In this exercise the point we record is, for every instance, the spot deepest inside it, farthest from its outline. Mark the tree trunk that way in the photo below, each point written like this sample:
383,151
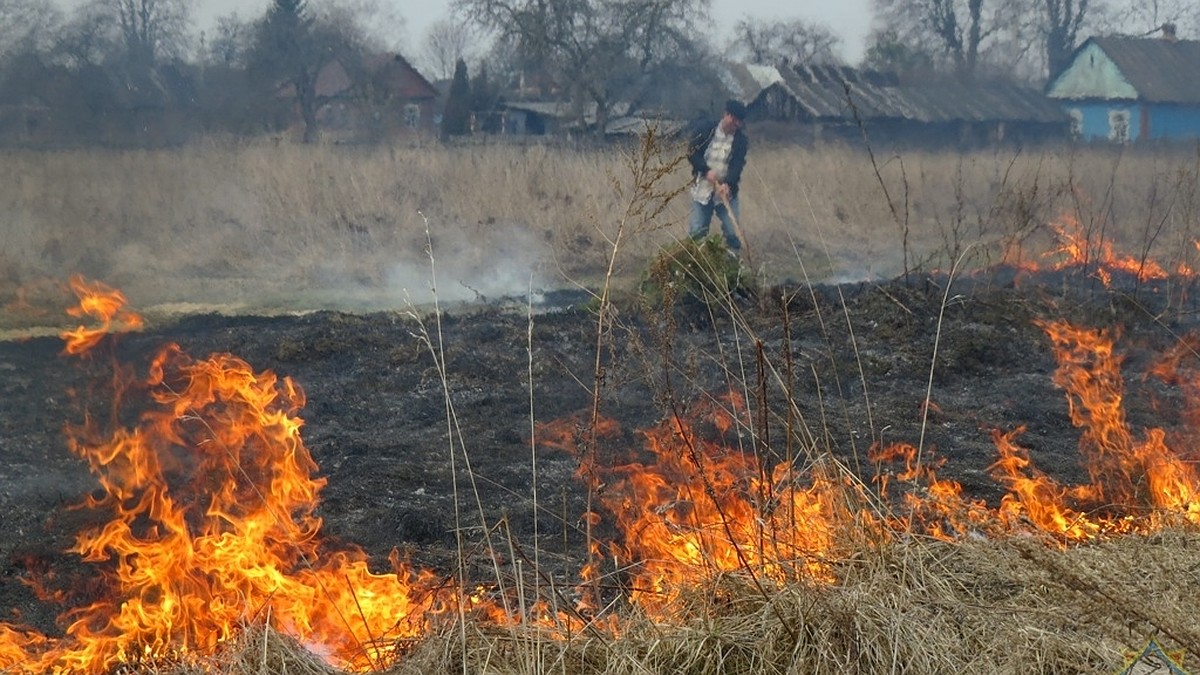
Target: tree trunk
308,110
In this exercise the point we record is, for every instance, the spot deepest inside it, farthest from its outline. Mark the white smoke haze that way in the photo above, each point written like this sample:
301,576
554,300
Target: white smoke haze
505,262
234,267
472,264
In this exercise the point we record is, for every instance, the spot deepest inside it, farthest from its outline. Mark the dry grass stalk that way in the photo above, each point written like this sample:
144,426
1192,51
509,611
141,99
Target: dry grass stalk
911,607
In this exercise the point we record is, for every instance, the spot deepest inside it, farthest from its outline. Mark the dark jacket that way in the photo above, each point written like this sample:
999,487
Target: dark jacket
698,145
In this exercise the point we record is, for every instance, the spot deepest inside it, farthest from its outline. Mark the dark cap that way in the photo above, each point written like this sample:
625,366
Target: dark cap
736,108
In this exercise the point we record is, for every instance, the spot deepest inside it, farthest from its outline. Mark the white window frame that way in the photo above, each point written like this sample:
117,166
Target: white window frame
1118,126
1076,122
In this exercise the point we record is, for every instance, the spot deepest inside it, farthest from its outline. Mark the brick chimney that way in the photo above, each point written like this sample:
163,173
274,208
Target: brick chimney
1168,32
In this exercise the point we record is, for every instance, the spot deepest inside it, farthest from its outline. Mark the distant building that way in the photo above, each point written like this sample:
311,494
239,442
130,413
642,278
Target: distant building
383,95
1125,89
812,102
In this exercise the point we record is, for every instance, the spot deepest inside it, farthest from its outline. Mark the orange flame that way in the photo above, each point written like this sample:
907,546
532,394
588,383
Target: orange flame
211,501
1135,485
701,509
933,506
102,303
1077,247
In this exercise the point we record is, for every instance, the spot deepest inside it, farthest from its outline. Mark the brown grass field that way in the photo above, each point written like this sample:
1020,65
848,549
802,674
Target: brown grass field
257,226
265,228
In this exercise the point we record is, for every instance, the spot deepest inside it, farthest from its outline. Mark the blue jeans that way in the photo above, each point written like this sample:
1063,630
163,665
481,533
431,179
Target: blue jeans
702,215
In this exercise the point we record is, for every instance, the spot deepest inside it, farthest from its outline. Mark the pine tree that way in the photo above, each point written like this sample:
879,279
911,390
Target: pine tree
483,101
457,116
286,51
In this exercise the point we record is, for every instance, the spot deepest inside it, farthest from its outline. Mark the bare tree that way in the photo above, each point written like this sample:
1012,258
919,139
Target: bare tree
593,48
958,28
1064,18
152,30
1145,17
27,26
372,25
1007,37
89,37
888,52
446,42
774,42
231,41
291,46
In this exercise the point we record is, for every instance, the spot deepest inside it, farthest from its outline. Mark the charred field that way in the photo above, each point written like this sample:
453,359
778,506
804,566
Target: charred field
463,442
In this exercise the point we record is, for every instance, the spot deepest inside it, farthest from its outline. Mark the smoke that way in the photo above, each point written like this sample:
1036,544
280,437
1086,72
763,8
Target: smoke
243,267
502,263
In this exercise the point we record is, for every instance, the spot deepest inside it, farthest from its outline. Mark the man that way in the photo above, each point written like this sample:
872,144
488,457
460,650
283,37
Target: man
718,155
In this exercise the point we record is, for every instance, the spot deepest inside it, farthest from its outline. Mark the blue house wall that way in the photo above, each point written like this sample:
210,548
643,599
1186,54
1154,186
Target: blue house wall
1161,121
1174,121
1093,119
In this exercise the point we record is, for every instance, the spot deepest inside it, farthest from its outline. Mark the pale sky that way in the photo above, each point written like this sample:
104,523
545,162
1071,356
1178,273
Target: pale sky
848,19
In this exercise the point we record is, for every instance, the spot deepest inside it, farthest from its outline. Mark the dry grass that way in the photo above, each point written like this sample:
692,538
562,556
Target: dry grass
286,226
915,607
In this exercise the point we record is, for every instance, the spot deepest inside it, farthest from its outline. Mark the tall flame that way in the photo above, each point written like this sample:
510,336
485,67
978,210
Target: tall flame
1135,484
210,499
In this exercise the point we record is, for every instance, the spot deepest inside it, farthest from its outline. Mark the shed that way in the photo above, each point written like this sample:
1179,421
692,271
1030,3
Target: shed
1132,88
829,101
536,118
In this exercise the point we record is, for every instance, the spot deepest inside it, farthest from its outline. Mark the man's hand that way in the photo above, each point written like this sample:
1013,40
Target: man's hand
723,192
712,178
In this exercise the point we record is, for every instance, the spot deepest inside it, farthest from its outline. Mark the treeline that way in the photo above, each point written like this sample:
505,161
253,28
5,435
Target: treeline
135,72
128,72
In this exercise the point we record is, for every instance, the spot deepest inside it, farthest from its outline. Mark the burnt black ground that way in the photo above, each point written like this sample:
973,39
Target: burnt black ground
376,420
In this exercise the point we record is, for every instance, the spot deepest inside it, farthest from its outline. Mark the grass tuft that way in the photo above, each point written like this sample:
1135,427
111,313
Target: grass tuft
701,270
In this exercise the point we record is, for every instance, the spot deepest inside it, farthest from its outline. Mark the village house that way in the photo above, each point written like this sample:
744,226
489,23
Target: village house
1126,89
384,95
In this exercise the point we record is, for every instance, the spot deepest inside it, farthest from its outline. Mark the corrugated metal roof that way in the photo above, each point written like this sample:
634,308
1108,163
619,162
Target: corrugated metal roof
639,124
1162,71
565,110
841,93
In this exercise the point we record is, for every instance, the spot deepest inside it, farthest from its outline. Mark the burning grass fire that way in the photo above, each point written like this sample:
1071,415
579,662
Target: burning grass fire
209,498
1077,247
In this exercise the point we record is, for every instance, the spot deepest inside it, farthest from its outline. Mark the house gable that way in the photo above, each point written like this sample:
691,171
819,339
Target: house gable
1151,70
1125,89
1091,74
394,73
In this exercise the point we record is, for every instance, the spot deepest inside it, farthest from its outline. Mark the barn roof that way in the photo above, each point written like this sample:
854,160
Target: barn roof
843,93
